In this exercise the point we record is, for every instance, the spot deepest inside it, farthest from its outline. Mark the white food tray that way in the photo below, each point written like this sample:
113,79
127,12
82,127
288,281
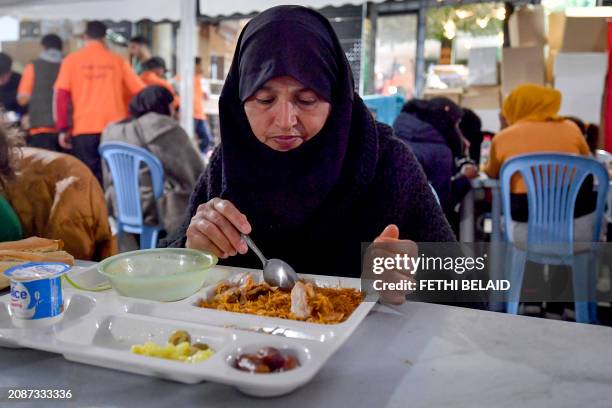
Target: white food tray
99,328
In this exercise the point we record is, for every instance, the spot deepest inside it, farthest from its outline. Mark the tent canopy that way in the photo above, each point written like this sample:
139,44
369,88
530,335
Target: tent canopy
134,10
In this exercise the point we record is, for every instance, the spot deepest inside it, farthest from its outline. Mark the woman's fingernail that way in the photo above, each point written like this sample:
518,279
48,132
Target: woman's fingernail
243,248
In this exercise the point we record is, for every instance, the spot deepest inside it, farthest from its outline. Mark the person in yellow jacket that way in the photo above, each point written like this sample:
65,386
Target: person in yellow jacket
56,196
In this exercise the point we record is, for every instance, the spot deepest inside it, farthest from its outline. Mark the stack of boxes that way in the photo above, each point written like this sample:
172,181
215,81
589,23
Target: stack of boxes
569,53
578,60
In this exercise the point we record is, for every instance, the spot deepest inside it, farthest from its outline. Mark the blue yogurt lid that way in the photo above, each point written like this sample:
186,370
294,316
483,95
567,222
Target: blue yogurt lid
32,271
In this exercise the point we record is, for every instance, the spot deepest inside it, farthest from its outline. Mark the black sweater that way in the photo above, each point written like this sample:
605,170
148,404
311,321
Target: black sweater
330,242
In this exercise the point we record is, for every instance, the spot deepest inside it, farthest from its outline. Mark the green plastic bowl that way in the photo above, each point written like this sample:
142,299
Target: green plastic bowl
164,274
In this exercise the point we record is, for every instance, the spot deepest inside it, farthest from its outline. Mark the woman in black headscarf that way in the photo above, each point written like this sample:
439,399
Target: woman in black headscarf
302,166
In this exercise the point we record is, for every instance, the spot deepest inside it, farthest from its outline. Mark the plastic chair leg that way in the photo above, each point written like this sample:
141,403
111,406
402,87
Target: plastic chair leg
580,279
516,269
148,237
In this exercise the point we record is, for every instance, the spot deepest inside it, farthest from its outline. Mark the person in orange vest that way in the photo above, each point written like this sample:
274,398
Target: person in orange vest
201,126
95,80
155,74
36,92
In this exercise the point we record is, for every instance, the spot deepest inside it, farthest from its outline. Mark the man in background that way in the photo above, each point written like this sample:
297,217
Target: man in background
36,92
96,82
202,129
9,82
155,74
139,50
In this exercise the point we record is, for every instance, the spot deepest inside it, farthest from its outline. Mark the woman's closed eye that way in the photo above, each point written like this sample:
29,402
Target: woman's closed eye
264,101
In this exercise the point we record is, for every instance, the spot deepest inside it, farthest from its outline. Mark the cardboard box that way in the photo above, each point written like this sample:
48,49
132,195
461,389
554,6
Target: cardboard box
583,105
482,97
482,65
522,65
526,27
489,118
556,28
550,65
585,34
584,72
454,94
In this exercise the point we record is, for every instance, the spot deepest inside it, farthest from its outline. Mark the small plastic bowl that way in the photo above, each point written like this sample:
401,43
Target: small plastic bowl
165,274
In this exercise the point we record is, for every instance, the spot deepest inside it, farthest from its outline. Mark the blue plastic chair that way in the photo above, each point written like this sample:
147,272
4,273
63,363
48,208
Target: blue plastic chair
387,108
553,181
124,162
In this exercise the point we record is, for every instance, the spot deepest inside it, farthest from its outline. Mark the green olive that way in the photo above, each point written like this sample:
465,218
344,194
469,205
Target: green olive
201,346
179,336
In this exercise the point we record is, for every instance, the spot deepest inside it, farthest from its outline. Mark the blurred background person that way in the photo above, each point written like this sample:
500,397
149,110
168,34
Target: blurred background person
431,128
200,120
55,196
11,225
152,127
202,127
36,93
155,74
9,82
533,126
471,128
96,81
139,51
590,132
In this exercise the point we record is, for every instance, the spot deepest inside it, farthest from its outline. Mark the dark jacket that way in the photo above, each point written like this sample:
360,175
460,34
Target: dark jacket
329,243
435,157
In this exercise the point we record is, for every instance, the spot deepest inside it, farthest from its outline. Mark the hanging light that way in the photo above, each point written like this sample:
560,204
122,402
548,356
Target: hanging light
463,14
500,13
450,29
483,22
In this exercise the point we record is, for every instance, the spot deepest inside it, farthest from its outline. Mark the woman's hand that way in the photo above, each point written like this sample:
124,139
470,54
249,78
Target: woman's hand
216,227
394,245
470,171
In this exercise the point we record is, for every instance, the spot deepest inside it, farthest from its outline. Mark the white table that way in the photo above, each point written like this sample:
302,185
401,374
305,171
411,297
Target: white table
429,356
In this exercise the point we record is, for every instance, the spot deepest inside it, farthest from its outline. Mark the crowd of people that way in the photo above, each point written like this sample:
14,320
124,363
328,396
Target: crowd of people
302,165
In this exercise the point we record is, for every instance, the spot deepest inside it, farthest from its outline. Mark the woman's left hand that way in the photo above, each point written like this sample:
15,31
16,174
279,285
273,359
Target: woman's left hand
390,235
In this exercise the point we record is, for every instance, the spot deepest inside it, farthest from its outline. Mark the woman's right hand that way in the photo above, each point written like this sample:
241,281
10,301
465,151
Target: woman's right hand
216,227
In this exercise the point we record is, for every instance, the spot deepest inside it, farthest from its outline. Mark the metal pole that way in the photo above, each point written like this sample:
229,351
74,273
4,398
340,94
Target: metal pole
420,49
186,63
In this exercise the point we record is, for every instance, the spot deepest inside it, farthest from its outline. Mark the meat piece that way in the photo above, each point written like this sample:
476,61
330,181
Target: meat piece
299,301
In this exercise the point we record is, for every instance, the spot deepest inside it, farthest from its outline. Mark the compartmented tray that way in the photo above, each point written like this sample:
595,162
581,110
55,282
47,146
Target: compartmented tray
99,328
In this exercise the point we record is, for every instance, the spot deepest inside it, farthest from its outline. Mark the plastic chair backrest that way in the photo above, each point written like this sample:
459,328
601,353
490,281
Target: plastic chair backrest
553,181
387,108
124,161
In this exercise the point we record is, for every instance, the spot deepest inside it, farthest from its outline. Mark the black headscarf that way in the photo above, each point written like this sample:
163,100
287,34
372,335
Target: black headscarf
285,188
443,114
153,98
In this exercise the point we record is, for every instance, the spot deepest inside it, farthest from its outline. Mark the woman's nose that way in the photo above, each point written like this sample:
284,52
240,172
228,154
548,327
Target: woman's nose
286,116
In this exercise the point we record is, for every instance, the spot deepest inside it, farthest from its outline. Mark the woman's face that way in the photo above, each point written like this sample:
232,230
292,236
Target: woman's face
283,113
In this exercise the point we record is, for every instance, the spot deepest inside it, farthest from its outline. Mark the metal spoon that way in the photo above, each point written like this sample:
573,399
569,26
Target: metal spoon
275,271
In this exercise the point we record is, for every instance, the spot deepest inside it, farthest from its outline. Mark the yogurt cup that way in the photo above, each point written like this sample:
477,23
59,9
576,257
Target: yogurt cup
36,293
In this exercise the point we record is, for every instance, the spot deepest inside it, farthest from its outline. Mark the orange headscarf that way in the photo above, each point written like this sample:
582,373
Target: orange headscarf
531,102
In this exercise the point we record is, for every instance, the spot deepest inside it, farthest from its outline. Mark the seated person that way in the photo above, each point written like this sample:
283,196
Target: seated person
431,129
303,167
530,112
152,127
55,196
